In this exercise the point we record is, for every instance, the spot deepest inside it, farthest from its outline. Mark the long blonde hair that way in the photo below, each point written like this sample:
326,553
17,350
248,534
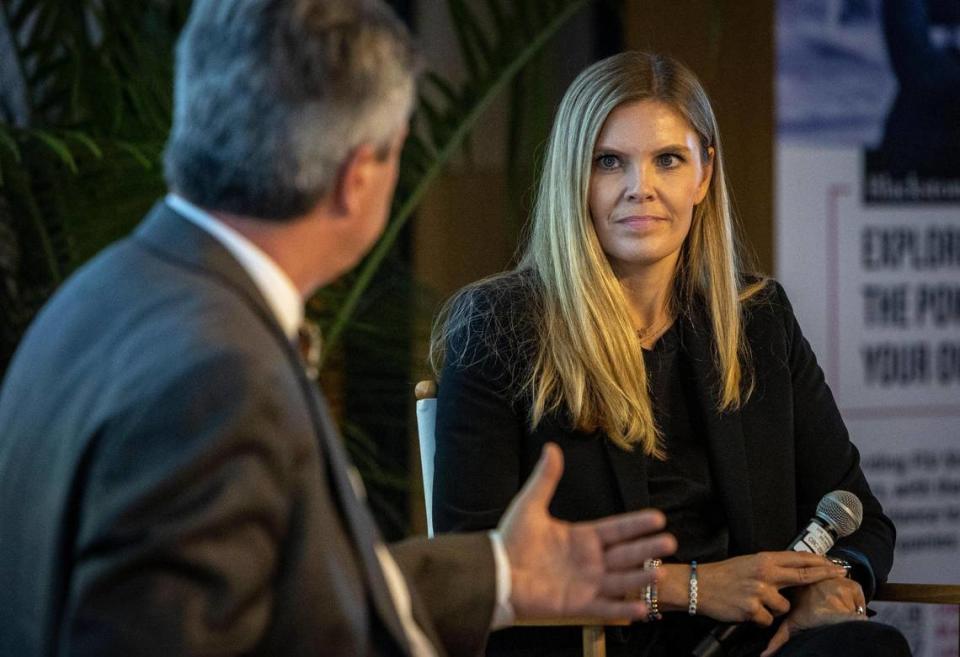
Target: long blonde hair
588,359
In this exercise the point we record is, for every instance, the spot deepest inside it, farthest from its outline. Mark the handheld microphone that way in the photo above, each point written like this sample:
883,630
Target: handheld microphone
839,514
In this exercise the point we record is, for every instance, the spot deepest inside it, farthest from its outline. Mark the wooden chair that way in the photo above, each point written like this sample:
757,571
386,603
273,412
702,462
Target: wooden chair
594,639
930,594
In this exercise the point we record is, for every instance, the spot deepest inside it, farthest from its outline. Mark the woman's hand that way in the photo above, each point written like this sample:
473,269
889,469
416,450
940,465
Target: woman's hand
747,588
827,601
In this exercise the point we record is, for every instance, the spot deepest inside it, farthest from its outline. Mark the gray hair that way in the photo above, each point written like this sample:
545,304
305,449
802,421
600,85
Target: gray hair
271,97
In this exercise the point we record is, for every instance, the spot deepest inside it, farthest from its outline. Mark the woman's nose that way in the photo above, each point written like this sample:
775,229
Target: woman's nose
638,185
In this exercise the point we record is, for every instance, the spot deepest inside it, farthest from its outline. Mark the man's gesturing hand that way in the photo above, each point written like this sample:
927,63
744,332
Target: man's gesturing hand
576,569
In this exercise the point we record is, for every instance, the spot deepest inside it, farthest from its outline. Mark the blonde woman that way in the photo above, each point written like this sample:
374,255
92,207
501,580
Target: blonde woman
630,335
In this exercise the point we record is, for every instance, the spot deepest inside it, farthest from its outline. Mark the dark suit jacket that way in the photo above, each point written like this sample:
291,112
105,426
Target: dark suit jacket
771,461
172,484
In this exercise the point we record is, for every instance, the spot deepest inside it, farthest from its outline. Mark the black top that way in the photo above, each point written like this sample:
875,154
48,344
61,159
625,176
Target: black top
682,485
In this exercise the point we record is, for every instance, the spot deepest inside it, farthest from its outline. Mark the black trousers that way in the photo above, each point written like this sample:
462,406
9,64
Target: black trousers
850,639
678,634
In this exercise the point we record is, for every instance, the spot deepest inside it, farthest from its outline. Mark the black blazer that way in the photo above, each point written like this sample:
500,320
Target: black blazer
171,483
771,461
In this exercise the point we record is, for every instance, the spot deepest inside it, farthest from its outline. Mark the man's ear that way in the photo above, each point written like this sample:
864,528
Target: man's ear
353,180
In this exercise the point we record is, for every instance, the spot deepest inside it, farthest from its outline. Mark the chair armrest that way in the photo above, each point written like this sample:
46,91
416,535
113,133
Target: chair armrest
577,620
935,594
594,638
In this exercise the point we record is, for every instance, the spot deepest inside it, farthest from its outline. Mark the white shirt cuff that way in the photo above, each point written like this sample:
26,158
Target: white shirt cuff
503,614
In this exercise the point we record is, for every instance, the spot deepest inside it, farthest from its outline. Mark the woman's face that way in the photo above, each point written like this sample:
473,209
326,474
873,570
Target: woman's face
647,176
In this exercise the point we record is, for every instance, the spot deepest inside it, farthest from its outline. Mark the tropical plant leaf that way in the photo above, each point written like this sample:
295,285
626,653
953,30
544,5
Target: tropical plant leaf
446,90
83,57
497,15
10,144
474,45
96,101
136,153
91,145
58,147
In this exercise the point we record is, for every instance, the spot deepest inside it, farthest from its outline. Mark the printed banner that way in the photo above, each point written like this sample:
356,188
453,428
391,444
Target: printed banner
868,248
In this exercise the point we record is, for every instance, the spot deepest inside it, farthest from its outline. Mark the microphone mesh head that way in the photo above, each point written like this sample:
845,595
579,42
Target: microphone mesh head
843,510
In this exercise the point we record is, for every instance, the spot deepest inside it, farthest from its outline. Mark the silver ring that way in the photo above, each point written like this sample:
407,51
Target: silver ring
860,610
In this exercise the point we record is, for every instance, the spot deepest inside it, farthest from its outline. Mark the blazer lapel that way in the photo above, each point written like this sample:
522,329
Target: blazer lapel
630,472
725,441
182,241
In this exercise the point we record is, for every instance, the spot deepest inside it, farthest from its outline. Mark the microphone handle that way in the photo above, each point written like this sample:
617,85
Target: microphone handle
712,644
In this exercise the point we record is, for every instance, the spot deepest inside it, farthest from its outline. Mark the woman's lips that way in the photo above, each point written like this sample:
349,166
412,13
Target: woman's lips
640,220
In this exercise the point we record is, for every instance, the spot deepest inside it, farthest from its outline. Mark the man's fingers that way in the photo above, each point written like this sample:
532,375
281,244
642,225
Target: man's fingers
625,526
780,637
543,481
627,556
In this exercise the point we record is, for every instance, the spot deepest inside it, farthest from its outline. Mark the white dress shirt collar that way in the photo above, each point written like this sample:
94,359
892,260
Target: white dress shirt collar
281,294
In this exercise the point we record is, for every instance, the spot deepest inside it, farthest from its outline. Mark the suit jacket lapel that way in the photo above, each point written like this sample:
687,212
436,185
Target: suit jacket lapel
180,240
725,441
363,529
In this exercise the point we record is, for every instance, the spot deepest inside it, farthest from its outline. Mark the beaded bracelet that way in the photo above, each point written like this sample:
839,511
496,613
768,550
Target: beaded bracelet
650,592
692,606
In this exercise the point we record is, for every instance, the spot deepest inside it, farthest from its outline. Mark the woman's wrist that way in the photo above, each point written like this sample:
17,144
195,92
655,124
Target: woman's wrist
674,587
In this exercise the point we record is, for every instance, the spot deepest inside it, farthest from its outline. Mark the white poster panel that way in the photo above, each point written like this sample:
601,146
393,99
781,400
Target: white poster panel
868,249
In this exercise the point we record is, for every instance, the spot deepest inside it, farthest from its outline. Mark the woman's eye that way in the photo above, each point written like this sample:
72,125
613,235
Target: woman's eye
668,160
607,161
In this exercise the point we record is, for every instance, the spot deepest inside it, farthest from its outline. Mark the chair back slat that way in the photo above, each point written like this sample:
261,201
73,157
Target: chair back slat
426,392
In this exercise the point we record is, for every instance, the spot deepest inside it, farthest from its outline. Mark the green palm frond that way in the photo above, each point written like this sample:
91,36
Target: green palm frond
79,155
101,65
76,190
496,44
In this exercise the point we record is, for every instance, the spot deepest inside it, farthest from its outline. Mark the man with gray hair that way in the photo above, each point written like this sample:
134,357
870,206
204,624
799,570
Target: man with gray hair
170,480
